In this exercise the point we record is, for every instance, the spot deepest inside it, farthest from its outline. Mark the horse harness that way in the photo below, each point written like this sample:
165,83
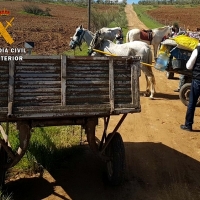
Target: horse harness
94,43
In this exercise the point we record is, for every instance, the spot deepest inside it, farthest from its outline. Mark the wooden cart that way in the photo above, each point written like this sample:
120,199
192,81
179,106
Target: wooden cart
59,90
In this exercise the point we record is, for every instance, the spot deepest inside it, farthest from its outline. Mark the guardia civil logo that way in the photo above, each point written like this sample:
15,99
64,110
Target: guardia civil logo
8,53
3,28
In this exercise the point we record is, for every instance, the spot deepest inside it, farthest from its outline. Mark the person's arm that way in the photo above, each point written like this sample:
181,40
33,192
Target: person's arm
192,60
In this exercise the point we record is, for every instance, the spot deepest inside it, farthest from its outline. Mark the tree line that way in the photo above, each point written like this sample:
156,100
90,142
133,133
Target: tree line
169,2
82,2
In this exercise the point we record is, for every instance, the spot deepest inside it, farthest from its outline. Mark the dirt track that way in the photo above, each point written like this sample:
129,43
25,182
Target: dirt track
163,162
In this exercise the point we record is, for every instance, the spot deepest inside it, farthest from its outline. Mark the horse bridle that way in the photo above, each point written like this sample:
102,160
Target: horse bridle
79,38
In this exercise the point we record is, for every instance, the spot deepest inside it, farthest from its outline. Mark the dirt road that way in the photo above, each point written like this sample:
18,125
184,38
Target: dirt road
133,21
162,161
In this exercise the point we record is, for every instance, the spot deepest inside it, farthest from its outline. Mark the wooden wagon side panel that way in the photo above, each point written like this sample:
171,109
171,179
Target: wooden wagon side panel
111,83
37,82
41,87
4,82
126,84
87,82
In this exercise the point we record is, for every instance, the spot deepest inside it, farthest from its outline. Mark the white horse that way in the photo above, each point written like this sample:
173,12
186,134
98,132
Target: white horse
79,37
109,33
152,37
136,48
106,33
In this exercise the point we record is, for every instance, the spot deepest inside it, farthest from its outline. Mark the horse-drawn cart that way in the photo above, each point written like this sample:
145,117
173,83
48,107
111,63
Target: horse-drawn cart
59,90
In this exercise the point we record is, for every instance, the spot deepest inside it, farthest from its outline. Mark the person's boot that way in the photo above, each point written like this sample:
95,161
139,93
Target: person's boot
186,128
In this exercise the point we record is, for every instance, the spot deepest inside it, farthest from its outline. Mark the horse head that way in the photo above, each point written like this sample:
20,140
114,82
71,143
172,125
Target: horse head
170,30
95,43
77,38
163,31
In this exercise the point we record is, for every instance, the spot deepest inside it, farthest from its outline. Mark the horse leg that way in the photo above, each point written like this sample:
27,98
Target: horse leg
148,73
155,49
152,83
147,92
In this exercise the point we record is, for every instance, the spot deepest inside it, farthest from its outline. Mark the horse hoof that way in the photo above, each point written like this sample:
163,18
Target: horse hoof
145,95
151,98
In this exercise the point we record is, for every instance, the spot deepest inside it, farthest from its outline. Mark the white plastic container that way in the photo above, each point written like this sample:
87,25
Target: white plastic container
162,62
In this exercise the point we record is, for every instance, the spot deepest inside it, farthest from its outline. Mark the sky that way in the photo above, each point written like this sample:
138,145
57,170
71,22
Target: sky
132,1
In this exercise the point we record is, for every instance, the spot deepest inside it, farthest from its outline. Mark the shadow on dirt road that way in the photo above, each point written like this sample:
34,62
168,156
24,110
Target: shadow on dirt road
157,172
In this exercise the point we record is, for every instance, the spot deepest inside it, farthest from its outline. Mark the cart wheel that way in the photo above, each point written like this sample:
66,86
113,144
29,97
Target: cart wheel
170,75
116,163
185,93
3,161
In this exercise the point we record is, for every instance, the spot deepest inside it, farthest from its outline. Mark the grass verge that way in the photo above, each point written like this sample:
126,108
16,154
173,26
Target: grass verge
48,146
141,11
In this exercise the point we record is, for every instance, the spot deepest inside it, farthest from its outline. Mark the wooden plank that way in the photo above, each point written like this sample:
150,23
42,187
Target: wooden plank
11,87
63,79
42,83
37,67
135,84
42,57
94,90
37,86
78,75
111,85
30,90
91,71
69,111
4,84
39,97
30,76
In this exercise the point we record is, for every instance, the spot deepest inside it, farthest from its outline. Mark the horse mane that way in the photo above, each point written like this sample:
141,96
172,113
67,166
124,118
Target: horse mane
161,28
88,31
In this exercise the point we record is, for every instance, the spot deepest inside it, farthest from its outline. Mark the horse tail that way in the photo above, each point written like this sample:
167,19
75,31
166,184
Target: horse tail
127,37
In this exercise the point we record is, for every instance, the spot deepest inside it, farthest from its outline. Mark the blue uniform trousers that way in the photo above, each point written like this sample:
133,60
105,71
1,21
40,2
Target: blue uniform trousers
194,95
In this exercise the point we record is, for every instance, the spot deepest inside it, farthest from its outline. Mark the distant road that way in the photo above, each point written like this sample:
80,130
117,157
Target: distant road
133,20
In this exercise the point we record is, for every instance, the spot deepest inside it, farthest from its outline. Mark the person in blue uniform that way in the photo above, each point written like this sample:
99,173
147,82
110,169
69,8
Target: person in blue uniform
193,64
